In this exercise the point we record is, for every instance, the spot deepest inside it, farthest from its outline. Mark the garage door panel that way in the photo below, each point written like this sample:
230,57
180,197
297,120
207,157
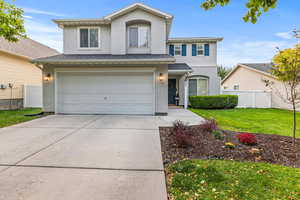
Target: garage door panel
105,93
96,99
107,109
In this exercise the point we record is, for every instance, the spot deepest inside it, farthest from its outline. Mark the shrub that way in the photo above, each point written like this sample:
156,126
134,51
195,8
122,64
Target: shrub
247,138
183,140
214,102
218,134
182,134
209,125
179,126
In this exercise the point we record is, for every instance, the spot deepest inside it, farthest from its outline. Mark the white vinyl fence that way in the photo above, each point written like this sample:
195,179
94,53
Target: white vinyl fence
32,96
252,99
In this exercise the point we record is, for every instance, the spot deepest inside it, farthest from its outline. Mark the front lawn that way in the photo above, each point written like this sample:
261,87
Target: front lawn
255,120
11,117
231,180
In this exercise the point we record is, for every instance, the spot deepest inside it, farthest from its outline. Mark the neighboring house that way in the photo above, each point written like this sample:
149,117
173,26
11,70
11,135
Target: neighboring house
256,77
17,71
125,63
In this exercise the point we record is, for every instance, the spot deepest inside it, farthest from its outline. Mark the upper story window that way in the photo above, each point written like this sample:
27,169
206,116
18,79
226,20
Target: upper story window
177,50
138,36
89,37
200,49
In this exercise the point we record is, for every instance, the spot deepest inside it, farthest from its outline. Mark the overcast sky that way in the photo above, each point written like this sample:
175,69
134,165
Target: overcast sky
243,42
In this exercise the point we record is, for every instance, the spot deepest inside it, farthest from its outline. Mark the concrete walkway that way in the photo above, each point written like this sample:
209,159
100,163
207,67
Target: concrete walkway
85,157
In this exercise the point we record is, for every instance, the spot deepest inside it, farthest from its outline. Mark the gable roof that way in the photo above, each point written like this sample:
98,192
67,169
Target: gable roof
264,68
135,6
108,18
26,48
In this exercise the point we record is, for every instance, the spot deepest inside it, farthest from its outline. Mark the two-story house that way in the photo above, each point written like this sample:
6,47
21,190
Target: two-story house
125,63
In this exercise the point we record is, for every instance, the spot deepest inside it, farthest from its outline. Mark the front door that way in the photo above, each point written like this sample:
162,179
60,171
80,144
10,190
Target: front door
171,91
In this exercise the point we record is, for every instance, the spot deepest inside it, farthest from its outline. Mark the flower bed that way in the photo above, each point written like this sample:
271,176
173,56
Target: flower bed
269,148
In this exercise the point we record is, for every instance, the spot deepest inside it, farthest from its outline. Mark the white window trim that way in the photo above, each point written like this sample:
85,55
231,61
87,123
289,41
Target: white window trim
89,48
203,45
149,36
180,47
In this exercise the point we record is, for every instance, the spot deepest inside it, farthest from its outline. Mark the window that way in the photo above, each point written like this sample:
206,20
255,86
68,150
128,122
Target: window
89,37
177,50
200,49
138,36
198,86
236,87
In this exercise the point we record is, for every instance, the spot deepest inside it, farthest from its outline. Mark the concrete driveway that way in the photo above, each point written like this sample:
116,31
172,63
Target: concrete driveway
85,158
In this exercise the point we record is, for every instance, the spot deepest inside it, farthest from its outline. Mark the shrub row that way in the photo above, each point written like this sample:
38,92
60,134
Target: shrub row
214,102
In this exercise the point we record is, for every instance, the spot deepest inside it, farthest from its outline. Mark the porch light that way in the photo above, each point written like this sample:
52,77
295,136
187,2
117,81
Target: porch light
161,77
48,77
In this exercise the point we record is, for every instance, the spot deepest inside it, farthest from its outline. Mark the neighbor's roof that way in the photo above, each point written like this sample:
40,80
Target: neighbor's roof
27,48
264,68
179,67
106,59
194,39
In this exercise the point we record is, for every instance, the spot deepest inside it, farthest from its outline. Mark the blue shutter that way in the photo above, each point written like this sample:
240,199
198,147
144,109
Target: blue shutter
171,50
183,50
206,49
194,50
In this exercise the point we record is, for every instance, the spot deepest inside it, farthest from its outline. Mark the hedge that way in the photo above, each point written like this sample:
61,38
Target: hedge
214,102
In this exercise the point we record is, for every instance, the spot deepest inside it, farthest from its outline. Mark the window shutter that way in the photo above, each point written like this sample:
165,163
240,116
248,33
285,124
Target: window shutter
206,49
183,50
194,50
171,50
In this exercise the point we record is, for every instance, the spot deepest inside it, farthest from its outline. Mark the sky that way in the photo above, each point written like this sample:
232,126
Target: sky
243,42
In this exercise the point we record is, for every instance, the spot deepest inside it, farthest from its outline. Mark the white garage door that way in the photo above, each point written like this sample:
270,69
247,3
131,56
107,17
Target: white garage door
105,93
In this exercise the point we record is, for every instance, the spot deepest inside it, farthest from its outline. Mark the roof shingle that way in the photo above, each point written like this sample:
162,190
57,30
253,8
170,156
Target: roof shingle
264,67
27,48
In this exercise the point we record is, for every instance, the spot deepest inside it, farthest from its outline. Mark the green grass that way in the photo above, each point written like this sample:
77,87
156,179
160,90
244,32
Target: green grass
11,117
255,120
230,180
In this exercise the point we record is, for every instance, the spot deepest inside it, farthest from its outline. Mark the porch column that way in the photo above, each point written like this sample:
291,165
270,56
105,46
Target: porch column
186,91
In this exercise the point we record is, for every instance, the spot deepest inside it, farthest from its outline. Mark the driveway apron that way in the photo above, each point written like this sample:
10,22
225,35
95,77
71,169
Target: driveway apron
82,157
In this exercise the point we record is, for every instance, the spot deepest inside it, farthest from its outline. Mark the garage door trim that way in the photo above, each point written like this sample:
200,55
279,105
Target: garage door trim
70,70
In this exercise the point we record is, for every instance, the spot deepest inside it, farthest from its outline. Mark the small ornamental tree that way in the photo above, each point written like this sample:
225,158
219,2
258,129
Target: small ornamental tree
255,7
287,70
11,22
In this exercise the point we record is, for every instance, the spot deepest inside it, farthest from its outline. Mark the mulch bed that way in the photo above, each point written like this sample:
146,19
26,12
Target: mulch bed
272,148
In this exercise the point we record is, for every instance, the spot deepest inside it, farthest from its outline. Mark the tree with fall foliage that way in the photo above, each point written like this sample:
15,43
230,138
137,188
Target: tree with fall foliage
11,22
255,7
287,70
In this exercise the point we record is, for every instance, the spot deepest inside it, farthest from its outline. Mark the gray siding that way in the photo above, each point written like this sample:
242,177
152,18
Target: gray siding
161,88
71,43
210,60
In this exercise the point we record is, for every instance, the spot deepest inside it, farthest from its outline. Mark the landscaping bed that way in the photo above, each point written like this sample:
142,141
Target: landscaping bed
273,149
